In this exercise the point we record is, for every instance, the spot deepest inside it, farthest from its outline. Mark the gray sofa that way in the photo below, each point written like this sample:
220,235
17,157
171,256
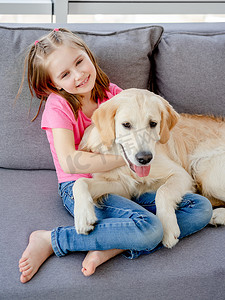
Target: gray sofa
185,63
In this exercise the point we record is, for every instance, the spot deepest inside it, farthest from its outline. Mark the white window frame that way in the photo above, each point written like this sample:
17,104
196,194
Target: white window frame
64,7
61,8
24,7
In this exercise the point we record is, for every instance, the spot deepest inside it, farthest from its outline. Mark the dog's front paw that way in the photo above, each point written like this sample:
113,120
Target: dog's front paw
85,218
170,237
218,217
171,230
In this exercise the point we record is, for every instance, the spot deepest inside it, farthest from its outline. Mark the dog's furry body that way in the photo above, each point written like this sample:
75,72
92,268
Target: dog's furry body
141,126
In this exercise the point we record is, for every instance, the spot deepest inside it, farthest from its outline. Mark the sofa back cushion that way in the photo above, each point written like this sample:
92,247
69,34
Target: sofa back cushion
190,68
122,54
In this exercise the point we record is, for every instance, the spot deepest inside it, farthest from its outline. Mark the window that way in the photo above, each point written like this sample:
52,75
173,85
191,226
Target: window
105,11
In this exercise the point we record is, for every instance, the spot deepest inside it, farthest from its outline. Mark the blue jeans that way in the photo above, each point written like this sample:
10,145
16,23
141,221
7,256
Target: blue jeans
126,224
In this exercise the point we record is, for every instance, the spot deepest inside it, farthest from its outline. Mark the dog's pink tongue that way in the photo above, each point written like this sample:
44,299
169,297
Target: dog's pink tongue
142,171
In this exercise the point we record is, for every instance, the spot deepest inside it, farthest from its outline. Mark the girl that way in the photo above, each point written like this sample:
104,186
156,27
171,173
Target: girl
63,71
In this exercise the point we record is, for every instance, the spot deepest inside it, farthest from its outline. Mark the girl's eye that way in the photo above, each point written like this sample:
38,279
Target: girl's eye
65,74
79,61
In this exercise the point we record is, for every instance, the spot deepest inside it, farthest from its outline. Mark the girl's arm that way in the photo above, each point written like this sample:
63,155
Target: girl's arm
73,161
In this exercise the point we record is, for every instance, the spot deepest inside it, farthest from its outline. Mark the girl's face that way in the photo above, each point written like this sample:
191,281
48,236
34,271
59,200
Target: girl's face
71,69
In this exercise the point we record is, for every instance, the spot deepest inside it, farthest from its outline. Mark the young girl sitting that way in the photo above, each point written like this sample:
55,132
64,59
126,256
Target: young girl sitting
63,72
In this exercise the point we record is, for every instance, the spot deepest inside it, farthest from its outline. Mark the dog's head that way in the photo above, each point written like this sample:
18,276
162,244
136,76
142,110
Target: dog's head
136,120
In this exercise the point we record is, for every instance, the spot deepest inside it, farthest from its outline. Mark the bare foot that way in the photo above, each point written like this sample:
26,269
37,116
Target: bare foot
37,251
95,258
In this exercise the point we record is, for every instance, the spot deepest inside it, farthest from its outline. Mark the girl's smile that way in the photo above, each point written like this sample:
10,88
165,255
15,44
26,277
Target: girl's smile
84,82
71,69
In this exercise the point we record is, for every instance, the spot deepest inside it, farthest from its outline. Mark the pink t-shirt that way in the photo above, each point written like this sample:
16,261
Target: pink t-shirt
58,114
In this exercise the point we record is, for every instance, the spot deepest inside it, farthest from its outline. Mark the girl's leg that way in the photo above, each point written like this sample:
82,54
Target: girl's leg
93,258
121,224
40,248
114,207
193,213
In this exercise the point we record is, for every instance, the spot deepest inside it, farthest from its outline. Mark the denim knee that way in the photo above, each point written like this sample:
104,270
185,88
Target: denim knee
193,214
202,207
151,234
206,211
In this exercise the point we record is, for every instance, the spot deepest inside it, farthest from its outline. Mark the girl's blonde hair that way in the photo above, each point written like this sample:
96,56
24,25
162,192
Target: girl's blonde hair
39,81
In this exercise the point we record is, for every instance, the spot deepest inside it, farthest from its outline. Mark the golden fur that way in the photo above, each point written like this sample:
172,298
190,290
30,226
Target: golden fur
184,152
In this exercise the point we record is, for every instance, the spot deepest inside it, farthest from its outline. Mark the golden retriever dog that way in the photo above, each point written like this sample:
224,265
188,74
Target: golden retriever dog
165,152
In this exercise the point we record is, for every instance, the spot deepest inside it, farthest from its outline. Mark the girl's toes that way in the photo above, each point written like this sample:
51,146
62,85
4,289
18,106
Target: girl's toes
24,279
23,260
27,272
24,268
23,263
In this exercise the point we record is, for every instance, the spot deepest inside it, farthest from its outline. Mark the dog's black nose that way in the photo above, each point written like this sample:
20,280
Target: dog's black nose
143,157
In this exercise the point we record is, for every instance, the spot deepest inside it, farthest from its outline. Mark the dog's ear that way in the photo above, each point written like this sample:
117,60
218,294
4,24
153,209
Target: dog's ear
169,118
103,118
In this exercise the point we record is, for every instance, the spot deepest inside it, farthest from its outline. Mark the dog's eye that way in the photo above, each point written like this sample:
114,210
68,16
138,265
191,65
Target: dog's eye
126,125
152,124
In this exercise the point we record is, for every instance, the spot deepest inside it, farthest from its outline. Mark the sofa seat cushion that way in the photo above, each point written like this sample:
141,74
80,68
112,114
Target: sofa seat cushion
29,201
